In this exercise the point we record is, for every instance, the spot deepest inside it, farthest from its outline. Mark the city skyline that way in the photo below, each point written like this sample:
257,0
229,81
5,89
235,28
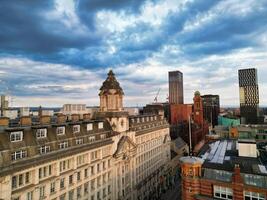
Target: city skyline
58,53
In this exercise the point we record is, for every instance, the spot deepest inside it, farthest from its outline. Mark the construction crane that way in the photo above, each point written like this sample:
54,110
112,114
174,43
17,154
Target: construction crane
156,97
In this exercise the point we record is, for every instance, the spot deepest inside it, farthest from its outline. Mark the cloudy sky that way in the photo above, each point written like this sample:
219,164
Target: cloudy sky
56,52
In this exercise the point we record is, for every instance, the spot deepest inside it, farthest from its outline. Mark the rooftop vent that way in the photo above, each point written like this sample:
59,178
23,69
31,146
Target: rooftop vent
247,148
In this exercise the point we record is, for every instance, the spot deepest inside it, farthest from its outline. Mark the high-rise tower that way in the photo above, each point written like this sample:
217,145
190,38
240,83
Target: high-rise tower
249,95
176,93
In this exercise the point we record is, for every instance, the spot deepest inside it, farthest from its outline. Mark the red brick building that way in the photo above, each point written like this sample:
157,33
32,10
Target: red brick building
223,172
180,113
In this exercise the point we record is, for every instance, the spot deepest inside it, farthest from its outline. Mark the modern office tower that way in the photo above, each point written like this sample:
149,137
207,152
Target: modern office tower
176,93
211,108
108,156
249,96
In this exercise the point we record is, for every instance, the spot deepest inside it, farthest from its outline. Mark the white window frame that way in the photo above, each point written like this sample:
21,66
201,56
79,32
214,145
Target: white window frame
222,191
91,138
61,130
89,127
254,195
100,125
79,141
63,145
16,136
76,127
41,133
44,149
19,155
103,136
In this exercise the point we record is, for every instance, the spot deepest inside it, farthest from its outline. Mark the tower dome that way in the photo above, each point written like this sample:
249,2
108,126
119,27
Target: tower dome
111,94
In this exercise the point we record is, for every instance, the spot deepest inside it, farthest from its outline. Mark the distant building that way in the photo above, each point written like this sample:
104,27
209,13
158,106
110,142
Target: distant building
176,93
211,108
228,121
249,95
180,113
132,110
24,111
225,169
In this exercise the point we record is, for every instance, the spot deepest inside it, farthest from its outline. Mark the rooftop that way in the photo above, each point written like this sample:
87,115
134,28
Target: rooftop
223,155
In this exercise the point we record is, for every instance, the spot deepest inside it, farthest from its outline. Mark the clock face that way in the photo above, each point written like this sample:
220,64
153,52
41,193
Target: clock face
197,113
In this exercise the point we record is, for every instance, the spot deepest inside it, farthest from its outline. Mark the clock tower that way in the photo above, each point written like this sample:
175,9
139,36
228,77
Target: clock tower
198,109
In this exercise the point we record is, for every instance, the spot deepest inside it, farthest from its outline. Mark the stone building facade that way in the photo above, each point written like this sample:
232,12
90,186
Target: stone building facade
110,156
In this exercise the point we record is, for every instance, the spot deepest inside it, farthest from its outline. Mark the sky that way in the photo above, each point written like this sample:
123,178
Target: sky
54,52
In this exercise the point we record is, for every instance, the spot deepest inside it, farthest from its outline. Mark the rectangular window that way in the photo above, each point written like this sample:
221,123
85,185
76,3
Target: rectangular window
64,165
44,149
63,145
76,129
62,183
71,195
254,196
91,138
14,182
85,188
85,173
102,136
61,130
78,176
42,192
52,187
79,141
41,133
79,192
223,192
100,125
30,195
94,155
70,179
18,155
16,136
89,127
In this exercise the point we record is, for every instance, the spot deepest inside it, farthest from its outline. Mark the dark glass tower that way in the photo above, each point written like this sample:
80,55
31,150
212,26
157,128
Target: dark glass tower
249,96
176,93
211,108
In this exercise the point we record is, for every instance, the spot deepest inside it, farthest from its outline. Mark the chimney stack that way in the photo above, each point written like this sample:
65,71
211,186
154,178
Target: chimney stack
75,117
4,121
61,118
45,119
25,121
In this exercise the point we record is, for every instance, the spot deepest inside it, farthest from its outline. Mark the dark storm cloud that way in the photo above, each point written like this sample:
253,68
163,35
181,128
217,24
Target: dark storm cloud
26,30
87,9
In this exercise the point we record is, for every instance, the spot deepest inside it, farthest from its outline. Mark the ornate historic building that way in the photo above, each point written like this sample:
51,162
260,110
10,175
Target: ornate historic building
110,155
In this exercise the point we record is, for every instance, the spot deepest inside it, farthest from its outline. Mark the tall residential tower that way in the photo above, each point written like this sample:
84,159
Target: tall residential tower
249,95
176,93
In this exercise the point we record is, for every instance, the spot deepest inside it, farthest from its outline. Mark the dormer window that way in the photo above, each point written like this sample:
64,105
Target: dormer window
103,136
41,133
89,127
76,129
18,155
100,125
92,139
61,130
16,136
63,145
44,149
79,141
